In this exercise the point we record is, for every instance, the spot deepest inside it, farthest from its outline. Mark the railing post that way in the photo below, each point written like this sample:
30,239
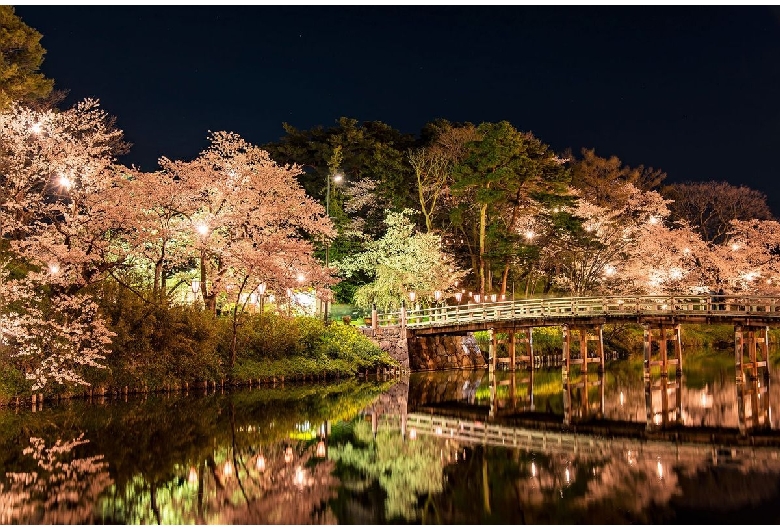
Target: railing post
374,317
403,313
648,345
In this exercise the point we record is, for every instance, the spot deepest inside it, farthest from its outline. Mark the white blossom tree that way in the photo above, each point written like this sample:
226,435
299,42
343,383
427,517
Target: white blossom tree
403,260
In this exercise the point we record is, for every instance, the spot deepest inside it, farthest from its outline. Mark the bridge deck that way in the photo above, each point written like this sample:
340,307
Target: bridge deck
740,310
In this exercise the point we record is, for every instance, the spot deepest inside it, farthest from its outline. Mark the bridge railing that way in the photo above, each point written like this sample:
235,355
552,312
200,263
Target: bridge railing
443,315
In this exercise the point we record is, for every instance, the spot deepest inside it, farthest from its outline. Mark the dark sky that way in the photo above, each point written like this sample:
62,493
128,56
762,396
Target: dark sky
694,91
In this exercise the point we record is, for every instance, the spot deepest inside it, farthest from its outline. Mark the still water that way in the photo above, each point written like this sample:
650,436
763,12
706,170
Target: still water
438,448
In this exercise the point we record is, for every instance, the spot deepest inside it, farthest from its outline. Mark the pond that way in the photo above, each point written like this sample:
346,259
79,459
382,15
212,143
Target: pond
440,448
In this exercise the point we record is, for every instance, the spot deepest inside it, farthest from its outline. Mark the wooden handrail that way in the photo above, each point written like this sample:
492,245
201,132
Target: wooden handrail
584,306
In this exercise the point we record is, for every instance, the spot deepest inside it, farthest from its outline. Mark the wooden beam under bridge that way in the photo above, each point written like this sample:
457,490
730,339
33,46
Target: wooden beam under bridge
586,334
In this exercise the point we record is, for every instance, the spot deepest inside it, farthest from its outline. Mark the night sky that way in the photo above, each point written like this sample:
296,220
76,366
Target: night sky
694,91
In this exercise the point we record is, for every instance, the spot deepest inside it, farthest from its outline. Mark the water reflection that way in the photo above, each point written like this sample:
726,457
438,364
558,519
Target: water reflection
447,448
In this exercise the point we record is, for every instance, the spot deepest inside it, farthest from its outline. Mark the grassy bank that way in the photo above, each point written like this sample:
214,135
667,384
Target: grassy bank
158,347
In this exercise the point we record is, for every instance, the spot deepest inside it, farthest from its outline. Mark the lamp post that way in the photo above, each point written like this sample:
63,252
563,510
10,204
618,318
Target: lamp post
337,177
195,288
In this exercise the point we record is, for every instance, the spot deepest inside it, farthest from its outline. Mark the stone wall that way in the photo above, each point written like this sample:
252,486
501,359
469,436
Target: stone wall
394,401
439,352
391,339
442,352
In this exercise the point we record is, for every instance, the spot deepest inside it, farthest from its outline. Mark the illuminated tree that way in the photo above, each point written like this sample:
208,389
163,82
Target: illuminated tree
601,181
59,211
433,167
248,217
21,55
603,238
160,233
503,170
402,260
749,260
709,207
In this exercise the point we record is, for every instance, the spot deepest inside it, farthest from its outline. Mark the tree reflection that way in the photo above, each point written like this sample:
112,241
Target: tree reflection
405,469
60,489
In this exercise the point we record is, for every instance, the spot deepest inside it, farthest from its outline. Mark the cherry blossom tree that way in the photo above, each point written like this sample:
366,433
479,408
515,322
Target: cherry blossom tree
749,260
59,212
248,217
158,235
248,223
663,260
604,238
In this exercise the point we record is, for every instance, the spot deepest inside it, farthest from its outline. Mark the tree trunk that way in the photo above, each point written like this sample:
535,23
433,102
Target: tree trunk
504,277
158,288
482,227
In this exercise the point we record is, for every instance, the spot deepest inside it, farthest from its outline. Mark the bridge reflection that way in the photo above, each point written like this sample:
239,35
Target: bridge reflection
536,409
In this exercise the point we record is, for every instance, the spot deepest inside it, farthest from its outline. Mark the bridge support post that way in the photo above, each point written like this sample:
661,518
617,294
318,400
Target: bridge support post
738,353
601,351
662,351
492,349
584,350
529,348
648,348
566,347
757,340
512,352
678,349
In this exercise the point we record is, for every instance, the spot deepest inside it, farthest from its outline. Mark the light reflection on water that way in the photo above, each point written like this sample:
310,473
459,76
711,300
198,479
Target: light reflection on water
447,447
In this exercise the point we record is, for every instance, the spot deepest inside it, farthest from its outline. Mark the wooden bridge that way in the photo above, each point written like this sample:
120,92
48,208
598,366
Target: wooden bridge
510,324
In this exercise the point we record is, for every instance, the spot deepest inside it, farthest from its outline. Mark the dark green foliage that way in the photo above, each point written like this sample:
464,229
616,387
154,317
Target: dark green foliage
304,347
157,343
21,55
12,380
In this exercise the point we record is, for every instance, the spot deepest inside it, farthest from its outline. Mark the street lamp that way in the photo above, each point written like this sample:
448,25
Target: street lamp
195,288
65,182
337,177
437,297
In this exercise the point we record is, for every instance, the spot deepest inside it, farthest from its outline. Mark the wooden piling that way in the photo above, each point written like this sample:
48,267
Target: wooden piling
566,351
738,353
